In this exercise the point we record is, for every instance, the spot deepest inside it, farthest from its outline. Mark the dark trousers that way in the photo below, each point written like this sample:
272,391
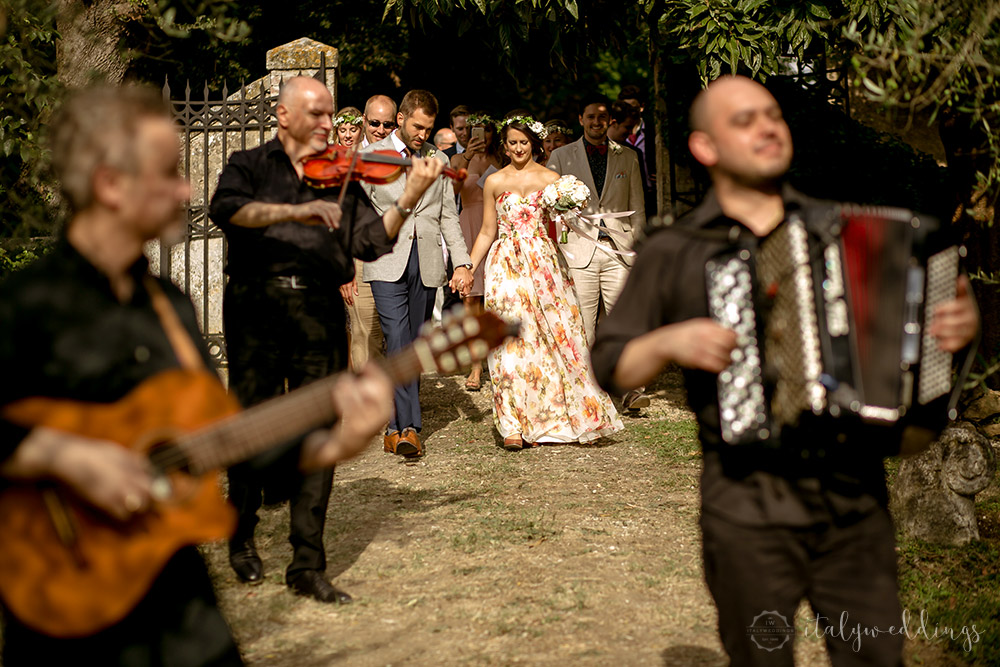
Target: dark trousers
848,574
403,306
276,335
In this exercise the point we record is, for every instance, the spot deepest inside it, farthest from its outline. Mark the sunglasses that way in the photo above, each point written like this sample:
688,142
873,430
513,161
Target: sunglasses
389,125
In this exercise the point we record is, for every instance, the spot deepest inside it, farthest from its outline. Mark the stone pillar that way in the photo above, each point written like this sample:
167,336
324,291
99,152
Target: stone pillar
933,496
303,57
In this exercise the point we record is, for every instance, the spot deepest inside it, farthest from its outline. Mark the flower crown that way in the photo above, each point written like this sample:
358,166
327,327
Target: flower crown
347,118
532,124
558,128
481,120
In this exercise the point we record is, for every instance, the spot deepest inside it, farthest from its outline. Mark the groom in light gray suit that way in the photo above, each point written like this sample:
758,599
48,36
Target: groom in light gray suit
612,173
403,282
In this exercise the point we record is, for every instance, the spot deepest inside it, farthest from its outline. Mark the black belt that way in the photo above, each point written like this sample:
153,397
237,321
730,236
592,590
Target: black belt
291,282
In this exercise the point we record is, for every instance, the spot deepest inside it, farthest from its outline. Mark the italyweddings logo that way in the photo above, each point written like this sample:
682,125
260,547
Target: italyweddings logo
913,627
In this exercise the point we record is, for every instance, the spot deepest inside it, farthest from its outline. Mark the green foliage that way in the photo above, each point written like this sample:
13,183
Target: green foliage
29,90
572,31
939,56
748,36
16,255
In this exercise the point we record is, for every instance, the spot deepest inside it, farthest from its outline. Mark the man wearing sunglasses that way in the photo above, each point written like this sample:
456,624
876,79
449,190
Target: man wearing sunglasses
380,119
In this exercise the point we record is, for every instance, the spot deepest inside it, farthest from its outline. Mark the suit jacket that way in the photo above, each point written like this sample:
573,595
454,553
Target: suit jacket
434,217
622,192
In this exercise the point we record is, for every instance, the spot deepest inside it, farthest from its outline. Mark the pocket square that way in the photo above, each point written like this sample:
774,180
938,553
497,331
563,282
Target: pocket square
620,174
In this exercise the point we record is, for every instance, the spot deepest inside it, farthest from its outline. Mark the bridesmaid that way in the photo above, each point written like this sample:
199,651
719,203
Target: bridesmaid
557,134
482,154
347,127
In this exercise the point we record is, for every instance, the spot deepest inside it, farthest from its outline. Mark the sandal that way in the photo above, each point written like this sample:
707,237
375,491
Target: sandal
473,385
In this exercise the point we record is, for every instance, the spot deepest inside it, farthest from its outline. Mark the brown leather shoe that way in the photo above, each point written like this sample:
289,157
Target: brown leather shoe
409,443
389,442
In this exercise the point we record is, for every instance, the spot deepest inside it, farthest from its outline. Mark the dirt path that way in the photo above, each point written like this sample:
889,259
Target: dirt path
583,555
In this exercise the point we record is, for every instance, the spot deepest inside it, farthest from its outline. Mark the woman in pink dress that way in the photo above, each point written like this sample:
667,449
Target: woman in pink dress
480,156
543,390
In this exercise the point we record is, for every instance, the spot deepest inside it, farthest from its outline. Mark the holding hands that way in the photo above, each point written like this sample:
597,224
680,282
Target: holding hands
461,281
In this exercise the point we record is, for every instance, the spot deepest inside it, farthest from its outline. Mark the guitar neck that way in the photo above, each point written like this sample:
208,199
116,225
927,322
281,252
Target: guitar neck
284,418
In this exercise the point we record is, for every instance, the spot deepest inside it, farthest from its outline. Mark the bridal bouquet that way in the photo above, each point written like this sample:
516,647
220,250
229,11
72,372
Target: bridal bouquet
563,197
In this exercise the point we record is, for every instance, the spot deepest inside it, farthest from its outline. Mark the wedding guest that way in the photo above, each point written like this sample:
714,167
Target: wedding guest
459,125
348,127
445,138
557,133
482,156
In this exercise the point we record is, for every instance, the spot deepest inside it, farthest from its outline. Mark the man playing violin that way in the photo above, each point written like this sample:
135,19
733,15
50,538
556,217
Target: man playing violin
290,249
88,324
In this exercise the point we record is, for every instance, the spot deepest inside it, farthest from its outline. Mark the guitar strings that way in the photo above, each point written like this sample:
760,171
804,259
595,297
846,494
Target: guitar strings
242,433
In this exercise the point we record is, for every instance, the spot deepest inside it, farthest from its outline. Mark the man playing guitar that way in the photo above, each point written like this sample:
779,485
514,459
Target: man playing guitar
88,323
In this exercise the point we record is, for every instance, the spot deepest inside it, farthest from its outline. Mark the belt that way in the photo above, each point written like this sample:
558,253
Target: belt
290,282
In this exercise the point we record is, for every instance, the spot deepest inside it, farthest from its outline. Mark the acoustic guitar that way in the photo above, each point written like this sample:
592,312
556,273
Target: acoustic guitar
69,570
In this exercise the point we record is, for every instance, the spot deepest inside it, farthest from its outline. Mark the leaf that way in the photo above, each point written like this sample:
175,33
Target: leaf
819,10
573,9
734,56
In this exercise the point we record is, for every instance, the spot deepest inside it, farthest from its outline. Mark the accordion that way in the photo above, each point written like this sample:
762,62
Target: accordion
830,315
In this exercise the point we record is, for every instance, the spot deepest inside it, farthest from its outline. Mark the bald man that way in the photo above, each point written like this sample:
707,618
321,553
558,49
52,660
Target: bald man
800,515
380,118
290,249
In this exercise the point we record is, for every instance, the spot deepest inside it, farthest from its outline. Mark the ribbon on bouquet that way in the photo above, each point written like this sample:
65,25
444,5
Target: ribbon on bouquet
572,220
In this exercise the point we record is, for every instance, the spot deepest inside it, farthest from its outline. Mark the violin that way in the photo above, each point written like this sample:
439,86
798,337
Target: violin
338,165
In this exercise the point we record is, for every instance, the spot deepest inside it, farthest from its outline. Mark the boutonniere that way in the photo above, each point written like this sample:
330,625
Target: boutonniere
431,152
615,147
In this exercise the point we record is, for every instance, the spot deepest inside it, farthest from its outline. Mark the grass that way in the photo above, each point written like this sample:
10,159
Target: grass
672,441
957,589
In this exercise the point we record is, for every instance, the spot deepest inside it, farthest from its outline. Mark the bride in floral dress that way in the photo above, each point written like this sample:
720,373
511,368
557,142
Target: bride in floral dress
543,390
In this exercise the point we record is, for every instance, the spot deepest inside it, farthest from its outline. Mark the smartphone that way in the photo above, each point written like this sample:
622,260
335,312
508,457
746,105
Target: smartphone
479,132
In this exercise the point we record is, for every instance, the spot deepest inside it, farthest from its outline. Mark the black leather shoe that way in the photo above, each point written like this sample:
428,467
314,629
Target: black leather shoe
245,562
315,585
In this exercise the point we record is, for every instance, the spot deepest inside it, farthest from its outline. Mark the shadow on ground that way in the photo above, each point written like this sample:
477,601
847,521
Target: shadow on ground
373,506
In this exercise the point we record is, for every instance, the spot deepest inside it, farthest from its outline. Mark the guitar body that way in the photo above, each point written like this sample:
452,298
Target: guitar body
76,586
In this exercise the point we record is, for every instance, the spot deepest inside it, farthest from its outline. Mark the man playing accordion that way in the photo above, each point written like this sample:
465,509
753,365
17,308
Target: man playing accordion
803,511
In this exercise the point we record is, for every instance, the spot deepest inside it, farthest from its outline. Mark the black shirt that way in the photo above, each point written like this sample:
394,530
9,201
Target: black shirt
64,334
265,174
826,471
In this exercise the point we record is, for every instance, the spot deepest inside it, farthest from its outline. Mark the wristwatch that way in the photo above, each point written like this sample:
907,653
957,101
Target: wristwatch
403,212
464,266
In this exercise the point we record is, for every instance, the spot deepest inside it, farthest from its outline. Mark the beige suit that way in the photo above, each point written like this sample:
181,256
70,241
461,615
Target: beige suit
597,274
434,217
366,332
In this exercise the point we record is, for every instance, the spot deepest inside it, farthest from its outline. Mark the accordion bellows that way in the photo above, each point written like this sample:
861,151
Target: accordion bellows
831,316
